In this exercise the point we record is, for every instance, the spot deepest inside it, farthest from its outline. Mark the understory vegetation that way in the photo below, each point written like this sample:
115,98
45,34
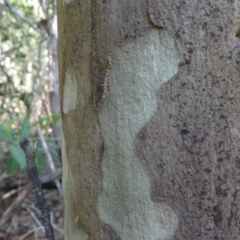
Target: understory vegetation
29,108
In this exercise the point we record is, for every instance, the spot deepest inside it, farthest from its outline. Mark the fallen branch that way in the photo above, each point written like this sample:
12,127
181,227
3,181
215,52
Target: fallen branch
33,175
7,214
23,193
44,179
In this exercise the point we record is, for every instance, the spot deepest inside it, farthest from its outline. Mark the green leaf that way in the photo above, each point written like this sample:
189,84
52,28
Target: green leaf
43,122
18,155
54,154
55,118
11,166
21,55
38,161
6,131
17,26
26,128
5,38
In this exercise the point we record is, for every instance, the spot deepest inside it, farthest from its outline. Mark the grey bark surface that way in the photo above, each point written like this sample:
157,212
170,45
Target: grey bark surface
160,159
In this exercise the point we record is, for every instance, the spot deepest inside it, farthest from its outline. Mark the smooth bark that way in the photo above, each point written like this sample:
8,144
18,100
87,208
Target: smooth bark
159,158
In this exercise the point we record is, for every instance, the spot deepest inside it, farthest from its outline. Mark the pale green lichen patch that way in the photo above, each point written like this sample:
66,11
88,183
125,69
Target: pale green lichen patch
69,92
138,70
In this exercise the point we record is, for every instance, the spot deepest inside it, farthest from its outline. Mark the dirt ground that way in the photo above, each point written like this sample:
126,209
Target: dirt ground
20,217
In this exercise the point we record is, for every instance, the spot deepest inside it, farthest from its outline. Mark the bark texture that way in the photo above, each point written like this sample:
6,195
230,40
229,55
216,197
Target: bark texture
160,159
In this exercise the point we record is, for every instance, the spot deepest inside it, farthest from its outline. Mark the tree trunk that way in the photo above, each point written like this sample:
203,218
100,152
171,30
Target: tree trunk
53,76
150,111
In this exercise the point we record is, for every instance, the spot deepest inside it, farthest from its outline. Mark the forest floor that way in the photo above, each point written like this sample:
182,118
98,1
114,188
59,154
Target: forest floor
20,217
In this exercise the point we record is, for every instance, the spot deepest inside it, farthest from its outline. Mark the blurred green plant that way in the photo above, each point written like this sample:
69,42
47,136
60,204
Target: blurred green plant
14,155
25,83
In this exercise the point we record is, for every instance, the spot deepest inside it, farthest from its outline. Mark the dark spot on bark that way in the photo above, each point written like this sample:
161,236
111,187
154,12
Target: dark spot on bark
220,144
209,3
204,25
217,215
216,10
202,193
220,151
173,181
220,28
237,163
177,35
208,170
141,135
230,218
238,53
208,229
159,166
189,43
199,207
220,159
191,152
207,15
181,64
212,34
190,50
221,192
184,131
222,116
238,32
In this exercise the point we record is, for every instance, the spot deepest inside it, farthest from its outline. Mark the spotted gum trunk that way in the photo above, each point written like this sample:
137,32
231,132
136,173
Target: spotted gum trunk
150,143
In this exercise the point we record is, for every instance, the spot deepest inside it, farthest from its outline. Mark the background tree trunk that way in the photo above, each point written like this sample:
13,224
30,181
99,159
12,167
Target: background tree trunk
160,158
53,76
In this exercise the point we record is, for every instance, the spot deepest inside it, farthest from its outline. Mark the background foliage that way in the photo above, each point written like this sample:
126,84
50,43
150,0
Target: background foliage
25,84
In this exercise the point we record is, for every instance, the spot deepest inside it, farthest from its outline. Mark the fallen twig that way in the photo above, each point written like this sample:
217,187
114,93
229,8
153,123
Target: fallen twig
33,175
44,179
35,219
30,232
7,214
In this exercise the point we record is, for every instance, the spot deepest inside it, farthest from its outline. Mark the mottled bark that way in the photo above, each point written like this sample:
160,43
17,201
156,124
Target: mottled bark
160,159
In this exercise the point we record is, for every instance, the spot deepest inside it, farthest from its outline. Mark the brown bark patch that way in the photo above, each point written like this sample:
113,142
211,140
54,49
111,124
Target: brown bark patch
190,146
